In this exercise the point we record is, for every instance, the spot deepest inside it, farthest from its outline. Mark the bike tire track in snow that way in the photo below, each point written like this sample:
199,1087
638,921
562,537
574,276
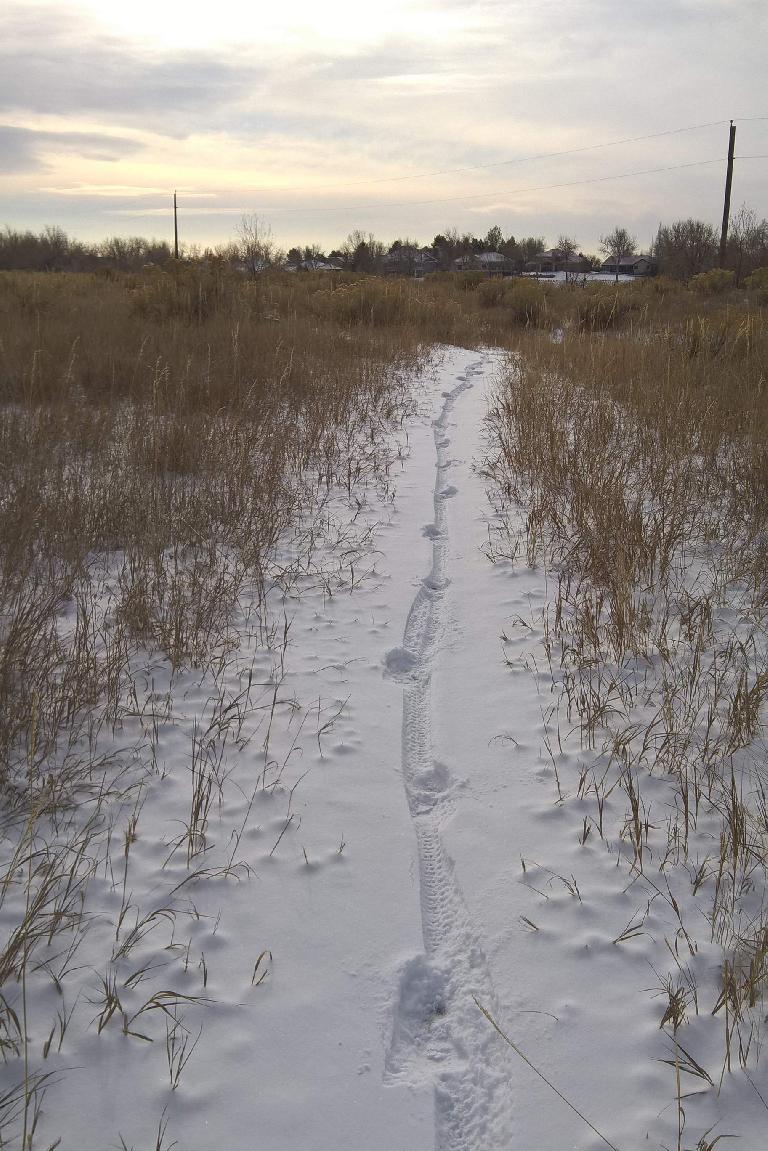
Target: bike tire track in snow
438,1034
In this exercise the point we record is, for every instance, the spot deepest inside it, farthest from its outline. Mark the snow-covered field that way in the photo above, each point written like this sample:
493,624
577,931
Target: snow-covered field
395,839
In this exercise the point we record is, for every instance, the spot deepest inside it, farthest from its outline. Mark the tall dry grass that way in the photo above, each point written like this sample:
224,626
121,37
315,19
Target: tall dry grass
635,440
169,443
175,422
163,434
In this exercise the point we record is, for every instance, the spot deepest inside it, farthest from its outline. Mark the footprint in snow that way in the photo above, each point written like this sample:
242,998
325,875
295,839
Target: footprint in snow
399,663
429,787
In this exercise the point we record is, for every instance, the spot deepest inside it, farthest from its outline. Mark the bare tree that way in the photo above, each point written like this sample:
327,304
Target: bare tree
255,244
685,248
363,251
56,244
747,242
528,248
228,253
569,247
617,245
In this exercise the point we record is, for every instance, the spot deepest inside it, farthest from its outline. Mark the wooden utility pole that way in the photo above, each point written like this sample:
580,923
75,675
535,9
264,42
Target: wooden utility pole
176,229
727,204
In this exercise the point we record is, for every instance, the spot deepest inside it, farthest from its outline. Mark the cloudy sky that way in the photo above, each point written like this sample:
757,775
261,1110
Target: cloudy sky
402,117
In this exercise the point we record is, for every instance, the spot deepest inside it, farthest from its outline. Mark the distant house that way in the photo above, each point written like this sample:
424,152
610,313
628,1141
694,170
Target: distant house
314,264
493,263
554,260
636,265
317,264
409,260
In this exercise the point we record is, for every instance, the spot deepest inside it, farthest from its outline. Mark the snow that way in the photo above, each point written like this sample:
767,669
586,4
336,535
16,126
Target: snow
395,860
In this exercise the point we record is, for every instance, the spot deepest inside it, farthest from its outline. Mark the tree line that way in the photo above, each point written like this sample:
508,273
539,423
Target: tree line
363,252
52,250
681,250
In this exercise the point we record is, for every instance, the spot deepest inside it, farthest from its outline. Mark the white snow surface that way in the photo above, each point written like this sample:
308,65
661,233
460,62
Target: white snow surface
384,896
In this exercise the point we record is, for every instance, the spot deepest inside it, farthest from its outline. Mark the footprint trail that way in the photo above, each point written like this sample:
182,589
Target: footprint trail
439,1036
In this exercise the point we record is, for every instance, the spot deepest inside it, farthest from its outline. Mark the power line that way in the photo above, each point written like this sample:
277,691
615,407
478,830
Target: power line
507,191
502,163
517,160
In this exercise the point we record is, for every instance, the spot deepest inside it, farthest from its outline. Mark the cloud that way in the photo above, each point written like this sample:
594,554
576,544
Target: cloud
422,87
52,62
122,192
27,150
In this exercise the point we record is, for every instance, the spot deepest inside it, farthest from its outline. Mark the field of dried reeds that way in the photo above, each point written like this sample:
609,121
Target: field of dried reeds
170,445
172,448
633,434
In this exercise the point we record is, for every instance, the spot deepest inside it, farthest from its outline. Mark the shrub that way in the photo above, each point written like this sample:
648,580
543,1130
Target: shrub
757,284
527,304
468,281
491,293
713,283
658,286
601,309
371,302
189,293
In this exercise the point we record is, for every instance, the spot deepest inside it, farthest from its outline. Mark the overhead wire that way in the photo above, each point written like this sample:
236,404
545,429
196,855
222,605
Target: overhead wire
498,163
505,191
319,188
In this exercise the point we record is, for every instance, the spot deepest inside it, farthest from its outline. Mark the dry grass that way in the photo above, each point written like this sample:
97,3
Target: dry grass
170,445
159,435
636,443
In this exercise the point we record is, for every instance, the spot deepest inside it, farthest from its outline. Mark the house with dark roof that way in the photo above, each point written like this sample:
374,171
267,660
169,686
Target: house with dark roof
409,260
635,265
492,263
554,260
314,264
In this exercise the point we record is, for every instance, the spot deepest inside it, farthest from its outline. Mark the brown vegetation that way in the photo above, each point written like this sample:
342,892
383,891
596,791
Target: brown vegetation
636,443
160,434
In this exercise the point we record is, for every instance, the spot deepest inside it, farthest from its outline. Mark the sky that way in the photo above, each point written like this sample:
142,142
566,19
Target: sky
402,118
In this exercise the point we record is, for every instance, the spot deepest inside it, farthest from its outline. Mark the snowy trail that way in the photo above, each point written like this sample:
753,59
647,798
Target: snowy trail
413,855
439,1035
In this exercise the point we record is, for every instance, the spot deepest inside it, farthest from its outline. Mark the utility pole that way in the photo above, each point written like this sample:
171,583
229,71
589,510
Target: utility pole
727,204
176,229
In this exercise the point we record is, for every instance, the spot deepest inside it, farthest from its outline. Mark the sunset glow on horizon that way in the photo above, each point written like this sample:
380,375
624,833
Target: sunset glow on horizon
401,120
